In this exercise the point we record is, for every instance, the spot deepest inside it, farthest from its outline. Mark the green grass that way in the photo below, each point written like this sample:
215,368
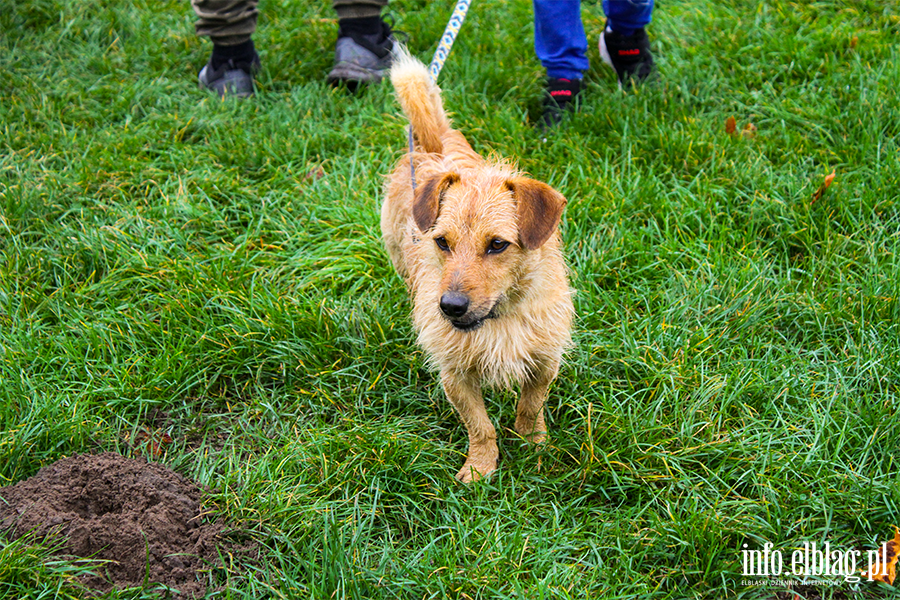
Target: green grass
215,270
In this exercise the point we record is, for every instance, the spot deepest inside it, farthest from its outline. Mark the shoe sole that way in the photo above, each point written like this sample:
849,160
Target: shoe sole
349,73
225,88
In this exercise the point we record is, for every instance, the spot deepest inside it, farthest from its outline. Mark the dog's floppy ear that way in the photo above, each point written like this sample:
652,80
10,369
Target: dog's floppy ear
538,208
427,200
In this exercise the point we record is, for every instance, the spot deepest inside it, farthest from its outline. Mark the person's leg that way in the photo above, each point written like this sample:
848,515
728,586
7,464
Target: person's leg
229,24
561,46
226,22
627,16
358,9
559,39
624,44
362,53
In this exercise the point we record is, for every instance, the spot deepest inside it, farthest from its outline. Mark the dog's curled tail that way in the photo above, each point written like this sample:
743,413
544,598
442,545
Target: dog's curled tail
420,99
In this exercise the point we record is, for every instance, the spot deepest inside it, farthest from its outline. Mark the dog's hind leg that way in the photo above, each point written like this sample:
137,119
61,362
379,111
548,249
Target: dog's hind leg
464,392
530,411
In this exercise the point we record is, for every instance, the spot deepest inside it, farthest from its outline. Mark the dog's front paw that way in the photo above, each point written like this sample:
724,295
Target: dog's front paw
538,437
473,471
532,431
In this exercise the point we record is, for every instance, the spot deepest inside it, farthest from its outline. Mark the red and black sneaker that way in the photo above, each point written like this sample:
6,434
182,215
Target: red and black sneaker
560,95
628,55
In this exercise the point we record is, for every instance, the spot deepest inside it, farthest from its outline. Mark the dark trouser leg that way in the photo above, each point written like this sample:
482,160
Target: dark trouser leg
357,9
226,22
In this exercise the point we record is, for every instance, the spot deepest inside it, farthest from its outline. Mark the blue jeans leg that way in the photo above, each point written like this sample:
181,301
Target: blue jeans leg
627,16
559,40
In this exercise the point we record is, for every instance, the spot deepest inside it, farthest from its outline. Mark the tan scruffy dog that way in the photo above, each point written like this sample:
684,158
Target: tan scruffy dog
477,243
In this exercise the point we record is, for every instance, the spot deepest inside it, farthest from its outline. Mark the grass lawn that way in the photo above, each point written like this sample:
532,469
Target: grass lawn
213,271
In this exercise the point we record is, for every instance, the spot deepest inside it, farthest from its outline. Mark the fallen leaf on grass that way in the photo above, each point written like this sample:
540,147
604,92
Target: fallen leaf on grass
155,440
730,125
885,567
747,131
821,191
315,174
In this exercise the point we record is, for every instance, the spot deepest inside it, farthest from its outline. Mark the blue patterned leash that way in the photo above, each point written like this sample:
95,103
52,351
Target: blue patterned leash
437,63
450,33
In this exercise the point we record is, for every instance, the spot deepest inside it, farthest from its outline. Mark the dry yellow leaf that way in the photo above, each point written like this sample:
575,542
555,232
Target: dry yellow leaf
819,192
885,566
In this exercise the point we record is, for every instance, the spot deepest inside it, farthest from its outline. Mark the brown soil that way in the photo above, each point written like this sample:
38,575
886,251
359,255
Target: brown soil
141,517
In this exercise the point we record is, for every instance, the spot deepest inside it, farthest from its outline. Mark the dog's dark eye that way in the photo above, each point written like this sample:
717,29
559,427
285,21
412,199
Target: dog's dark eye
442,243
497,246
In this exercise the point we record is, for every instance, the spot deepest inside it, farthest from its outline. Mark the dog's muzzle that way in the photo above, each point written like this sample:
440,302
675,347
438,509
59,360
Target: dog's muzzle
455,305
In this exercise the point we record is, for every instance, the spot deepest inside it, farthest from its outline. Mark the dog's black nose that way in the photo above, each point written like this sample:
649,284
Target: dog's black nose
454,304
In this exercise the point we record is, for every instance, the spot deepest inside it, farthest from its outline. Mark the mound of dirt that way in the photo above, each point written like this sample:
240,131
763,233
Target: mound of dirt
141,517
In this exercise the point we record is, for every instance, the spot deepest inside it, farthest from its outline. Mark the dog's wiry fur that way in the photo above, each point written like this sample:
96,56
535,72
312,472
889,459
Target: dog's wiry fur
485,312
